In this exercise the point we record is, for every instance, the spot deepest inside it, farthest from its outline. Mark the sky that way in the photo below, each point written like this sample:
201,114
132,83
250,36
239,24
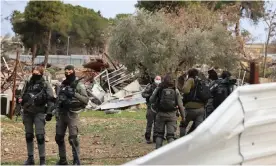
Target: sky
110,9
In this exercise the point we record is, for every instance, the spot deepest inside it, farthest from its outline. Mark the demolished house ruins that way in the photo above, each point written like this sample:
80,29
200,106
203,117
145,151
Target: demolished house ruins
108,84
113,87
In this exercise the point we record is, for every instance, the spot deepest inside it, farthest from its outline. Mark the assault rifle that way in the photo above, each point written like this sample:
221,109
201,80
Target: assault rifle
73,85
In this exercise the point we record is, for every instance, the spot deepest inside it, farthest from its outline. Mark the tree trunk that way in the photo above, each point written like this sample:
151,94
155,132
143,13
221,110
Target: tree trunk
239,38
34,50
265,55
47,49
237,28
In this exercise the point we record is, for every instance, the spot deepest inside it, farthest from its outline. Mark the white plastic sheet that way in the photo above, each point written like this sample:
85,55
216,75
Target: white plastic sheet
242,130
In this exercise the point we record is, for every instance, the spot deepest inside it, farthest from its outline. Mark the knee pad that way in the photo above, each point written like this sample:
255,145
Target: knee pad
59,139
73,139
40,138
29,137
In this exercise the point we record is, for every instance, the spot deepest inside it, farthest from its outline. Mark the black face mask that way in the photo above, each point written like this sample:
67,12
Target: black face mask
70,78
36,77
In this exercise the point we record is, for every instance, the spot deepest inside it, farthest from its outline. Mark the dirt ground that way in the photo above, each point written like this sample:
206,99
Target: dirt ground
104,139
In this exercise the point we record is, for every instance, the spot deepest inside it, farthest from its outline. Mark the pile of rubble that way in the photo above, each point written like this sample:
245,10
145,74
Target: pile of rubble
109,85
126,97
8,73
113,88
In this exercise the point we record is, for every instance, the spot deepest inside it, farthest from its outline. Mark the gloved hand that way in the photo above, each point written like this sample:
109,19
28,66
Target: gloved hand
48,117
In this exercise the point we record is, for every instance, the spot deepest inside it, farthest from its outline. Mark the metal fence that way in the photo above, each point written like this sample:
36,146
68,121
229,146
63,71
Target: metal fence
57,60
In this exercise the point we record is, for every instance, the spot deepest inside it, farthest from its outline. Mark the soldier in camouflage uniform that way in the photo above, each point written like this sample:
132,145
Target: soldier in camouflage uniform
72,98
194,108
151,114
37,93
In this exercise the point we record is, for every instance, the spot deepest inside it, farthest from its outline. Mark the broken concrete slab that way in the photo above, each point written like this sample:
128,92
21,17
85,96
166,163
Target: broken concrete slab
133,87
122,94
125,102
91,105
97,92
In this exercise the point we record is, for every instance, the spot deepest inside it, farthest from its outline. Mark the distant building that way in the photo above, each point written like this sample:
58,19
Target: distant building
57,60
257,50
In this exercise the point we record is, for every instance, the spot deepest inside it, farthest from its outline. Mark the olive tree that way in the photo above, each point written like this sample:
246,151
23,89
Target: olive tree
148,42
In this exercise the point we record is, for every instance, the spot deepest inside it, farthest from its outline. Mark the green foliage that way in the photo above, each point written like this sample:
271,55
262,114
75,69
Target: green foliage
169,6
253,10
122,16
47,14
148,42
89,31
85,27
29,31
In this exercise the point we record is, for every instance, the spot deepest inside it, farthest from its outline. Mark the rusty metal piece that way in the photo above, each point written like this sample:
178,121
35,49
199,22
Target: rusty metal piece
254,73
14,85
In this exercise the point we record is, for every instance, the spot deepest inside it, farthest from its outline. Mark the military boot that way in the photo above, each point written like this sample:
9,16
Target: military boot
62,161
30,161
42,161
75,161
159,142
147,137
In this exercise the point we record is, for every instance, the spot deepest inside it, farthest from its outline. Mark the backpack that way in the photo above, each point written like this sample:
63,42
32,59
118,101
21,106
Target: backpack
220,94
167,100
200,93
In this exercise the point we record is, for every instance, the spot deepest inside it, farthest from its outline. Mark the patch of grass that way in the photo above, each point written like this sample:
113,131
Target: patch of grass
92,128
115,138
8,120
49,161
85,161
115,130
139,114
124,132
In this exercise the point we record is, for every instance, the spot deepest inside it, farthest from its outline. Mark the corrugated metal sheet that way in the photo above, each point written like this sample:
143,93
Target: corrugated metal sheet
241,131
125,102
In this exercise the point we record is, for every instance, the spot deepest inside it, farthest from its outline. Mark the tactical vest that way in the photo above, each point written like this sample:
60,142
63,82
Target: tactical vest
34,88
65,103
